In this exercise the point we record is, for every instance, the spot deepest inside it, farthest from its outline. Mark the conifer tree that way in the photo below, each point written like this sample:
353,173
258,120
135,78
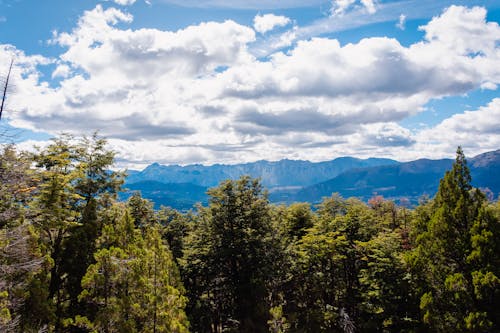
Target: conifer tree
54,215
226,263
449,257
134,283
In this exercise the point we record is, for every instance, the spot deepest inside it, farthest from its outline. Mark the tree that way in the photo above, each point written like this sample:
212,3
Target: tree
54,215
226,265
96,186
20,258
298,219
387,301
176,227
141,210
17,183
134,282
326,288
75,185
449,257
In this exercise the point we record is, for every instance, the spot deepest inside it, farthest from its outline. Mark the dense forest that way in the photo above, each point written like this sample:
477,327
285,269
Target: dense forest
73,258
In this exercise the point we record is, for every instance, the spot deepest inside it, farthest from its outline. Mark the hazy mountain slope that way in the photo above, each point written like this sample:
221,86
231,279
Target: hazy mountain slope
485,170
289,181
273,174
181,196
410,180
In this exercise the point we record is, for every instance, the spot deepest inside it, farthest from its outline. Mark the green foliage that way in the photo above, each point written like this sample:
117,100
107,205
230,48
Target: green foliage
17,183
175,228
226,264
134,283
141,210
277,323
72,259
453,261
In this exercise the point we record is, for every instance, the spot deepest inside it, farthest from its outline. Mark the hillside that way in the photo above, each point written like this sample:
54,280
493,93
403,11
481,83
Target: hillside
181,196
273,174
289,181
410,180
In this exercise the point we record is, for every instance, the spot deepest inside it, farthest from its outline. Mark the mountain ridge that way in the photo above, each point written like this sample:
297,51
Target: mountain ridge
273,173
297,180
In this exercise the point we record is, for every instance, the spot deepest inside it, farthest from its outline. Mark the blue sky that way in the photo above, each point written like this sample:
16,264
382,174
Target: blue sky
216,81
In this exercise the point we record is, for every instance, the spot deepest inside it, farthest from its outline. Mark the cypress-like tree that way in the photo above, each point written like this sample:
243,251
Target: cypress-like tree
134,282
447,257
226,263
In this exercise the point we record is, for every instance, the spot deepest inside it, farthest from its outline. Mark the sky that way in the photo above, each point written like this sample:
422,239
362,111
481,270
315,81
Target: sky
214,81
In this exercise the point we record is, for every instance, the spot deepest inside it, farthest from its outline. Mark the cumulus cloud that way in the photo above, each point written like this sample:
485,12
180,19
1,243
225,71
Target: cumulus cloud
340,7
199,95
387,135
62,71
124,2
267,22
473,130
369,5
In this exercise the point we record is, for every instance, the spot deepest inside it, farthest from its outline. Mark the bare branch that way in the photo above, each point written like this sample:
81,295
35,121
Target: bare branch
6,85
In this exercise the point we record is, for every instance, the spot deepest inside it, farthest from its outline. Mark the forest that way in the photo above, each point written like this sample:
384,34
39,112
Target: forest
73,258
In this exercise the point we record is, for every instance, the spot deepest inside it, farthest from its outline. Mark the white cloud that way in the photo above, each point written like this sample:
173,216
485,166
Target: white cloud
124,2
401,23
340,7
369,5
267,22
245,4
61,71
476,131
464,30
198,94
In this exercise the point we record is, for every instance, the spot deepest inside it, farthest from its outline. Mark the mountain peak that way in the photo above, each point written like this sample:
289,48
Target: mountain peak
490,158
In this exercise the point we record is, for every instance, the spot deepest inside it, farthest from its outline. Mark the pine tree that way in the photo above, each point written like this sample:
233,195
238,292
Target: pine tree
134,283
54,215
447,256
97,186
226,265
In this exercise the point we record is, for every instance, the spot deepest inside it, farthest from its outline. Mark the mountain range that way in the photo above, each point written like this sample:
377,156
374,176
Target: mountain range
288,181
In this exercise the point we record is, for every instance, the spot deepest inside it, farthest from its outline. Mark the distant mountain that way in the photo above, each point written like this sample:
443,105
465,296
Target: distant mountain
282,173
485,171
410,180
288,181
181,196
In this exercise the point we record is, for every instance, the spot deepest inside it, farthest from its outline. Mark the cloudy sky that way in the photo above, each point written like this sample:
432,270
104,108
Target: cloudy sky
215,81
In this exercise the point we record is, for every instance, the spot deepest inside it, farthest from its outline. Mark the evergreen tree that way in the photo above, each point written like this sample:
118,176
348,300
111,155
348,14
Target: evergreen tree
448,253
226,263
20,258
55,214
134,282
176,227
141,210
326,288
96,186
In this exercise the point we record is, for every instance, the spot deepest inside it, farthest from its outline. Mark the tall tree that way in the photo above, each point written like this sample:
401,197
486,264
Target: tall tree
20,257
55,214
97,186
226,260
134,282
448,253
